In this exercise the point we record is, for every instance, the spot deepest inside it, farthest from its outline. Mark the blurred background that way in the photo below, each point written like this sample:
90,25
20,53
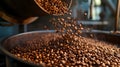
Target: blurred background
94,14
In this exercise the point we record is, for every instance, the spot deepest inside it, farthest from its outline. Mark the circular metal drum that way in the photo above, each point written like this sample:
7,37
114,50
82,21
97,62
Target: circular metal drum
44,37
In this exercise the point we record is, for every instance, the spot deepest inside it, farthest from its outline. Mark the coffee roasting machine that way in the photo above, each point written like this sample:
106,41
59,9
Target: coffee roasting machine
22,15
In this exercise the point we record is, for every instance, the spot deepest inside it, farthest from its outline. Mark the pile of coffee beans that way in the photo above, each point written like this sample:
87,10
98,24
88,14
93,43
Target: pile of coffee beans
67,52
70,49
55,7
